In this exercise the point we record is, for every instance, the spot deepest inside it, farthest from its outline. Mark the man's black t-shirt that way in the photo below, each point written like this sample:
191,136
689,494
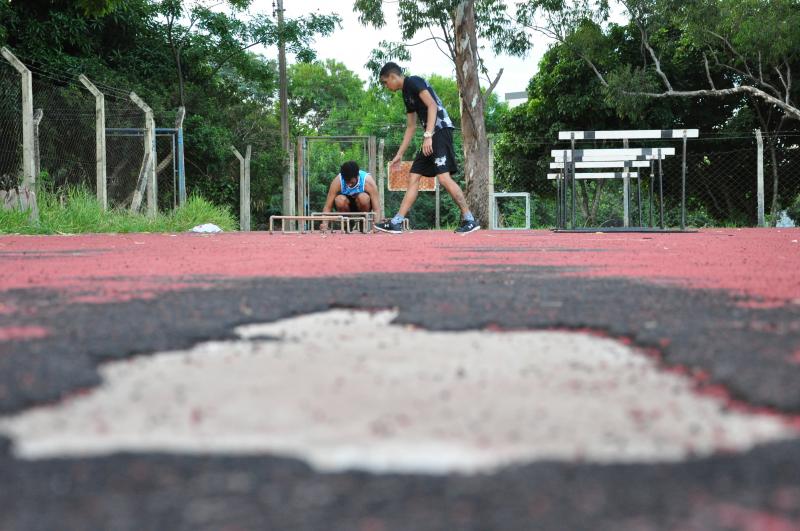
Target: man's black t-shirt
412,86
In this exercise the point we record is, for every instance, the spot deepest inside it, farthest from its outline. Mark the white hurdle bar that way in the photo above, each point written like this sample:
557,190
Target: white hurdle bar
647,134
604,164
610,154
597,175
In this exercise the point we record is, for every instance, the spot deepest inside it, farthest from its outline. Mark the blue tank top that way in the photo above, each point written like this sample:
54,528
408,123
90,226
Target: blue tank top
358,188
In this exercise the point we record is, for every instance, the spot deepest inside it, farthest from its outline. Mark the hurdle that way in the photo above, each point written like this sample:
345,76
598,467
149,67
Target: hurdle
341,220
568,159
364,221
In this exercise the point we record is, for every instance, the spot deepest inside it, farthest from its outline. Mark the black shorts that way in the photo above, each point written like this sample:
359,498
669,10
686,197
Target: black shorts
443,158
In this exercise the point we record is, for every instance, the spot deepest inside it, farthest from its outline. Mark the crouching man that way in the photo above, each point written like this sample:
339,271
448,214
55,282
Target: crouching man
353,190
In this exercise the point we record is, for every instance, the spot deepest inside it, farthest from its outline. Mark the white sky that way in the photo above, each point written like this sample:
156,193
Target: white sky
353,43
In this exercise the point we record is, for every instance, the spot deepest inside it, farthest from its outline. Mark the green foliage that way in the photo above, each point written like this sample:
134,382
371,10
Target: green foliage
794,210
76,210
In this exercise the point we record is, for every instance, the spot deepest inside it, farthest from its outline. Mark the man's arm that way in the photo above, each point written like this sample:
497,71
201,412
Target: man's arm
374,196
411,127
333,191
433,110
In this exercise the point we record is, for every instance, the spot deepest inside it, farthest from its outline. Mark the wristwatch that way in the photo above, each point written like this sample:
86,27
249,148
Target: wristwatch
427,134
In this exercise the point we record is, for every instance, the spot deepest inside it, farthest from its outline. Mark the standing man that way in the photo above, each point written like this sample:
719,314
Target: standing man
353,190
437,157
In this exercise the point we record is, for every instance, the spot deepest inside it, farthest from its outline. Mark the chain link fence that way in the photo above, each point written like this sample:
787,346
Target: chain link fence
11,127
721,184
64,132
66,152
125,139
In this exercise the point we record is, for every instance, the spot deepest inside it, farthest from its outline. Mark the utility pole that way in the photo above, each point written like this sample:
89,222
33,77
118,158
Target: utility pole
283,96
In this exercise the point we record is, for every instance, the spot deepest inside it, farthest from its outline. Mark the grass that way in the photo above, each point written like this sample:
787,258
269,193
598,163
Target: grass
77,211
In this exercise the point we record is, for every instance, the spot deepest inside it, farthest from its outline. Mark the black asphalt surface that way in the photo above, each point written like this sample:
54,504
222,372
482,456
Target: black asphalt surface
713,335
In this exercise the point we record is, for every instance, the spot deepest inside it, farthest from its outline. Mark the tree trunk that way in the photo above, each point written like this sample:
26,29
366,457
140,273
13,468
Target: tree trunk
473,124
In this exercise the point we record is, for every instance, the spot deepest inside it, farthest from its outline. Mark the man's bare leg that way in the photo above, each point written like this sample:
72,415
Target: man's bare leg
410,195
455,191
341,203
363,202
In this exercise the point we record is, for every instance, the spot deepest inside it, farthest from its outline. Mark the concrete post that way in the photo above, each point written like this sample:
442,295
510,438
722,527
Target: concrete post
381,176
100,139
28,174
491,185
760,178
150,154
626,195
244,188
181,163
38,114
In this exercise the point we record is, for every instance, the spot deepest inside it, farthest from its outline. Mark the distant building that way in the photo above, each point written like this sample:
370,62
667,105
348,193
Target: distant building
516,98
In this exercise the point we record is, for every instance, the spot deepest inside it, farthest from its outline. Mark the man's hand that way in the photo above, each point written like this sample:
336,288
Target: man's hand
427,147
395,161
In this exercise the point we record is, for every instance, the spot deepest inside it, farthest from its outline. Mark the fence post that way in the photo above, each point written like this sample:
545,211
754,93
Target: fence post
28,169
150,154
381,175
244,188
288,184
38,114
181,163
100,139
760,177
491,184
683,184
626,194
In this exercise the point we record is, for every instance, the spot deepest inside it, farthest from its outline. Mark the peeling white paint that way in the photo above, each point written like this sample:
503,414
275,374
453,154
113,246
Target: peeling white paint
349,390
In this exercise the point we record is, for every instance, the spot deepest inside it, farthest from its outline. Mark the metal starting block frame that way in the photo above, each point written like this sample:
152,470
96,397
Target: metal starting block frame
360,221
302,220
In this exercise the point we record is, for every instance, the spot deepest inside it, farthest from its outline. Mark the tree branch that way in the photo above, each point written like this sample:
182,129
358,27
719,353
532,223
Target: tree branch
733,51
436,42
656,61
708,72
492,86
794,112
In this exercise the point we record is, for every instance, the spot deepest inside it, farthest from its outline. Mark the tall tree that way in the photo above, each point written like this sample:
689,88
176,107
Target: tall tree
229,35
757,41
455,26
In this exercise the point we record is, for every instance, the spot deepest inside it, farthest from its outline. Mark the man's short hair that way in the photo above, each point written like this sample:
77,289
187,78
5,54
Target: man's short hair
349,169
391,68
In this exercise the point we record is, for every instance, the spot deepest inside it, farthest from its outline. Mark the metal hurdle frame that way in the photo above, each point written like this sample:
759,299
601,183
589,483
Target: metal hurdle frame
494,216
341,220
566,208
364,220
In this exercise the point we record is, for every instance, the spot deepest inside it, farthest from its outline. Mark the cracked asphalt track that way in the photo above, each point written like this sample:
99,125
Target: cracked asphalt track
721,306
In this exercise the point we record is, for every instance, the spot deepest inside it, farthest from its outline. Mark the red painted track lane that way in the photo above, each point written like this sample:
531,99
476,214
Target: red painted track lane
759,263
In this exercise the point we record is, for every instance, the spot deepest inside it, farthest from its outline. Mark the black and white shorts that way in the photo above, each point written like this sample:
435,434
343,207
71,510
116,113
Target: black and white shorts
443,158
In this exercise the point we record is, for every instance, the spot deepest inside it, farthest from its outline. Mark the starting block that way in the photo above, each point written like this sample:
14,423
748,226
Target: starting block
341,220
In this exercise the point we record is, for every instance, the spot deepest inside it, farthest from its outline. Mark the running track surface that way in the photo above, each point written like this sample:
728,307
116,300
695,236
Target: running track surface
727,303
760,264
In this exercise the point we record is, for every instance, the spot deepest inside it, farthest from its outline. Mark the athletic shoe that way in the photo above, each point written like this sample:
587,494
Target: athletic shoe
467,227
387,226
